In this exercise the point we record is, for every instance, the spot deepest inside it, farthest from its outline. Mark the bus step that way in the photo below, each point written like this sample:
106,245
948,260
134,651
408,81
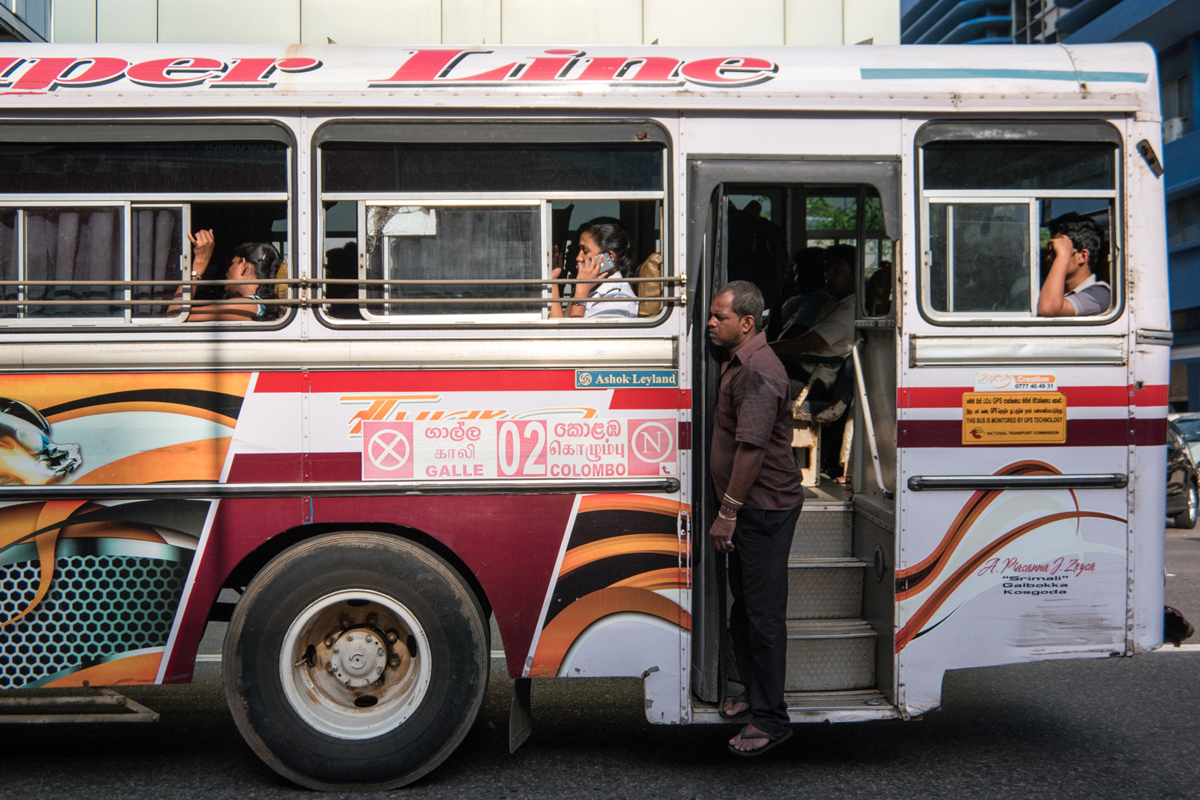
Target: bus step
107,706
823,531
828,655
801,704
825,588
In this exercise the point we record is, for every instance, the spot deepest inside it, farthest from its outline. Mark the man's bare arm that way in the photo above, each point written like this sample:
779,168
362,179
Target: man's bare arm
747,462
1051,299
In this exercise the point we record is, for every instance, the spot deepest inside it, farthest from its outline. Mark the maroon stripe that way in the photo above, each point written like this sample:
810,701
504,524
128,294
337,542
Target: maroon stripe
1080,433
1149,432
685,435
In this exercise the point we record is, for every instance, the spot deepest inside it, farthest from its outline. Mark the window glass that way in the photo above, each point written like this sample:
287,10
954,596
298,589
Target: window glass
378,167
115,167
454,243
1020,165
9,265
979,257
156,243
74,244
991,208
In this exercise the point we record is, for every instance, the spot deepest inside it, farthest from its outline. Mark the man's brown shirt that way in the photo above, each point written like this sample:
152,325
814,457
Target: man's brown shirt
754,406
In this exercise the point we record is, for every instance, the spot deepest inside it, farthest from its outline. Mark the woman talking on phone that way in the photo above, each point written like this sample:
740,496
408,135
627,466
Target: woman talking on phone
603,261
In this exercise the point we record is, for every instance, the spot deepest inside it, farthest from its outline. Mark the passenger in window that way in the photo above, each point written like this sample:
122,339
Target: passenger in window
604,259
810,295
250,261
1075,252
828,340
878,299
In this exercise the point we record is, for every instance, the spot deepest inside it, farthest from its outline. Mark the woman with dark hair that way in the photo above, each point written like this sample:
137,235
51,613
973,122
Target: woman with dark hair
251,261
604,260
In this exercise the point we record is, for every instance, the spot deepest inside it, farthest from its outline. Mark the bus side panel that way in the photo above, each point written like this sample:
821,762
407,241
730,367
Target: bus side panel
1150,379
565,574
95,586
1009,575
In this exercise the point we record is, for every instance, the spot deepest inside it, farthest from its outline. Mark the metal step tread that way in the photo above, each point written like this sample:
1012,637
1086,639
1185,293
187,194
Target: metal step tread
829,629
829,494
858,698
803,562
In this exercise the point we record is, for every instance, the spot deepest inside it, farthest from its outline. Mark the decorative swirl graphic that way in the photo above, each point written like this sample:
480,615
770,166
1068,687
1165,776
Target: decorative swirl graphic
920,577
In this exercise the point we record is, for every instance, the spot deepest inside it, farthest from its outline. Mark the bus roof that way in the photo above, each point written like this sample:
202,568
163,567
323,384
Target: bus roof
974,78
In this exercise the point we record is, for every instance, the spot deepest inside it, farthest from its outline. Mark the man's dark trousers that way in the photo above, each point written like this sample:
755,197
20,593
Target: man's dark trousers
758,580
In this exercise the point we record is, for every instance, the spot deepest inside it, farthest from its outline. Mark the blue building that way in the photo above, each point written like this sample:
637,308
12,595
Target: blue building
1172,27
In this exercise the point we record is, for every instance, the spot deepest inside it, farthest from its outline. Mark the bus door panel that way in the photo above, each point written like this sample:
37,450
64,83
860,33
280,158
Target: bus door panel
729,192
1013,511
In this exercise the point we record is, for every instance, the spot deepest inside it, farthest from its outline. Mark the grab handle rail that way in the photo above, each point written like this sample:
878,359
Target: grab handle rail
933,483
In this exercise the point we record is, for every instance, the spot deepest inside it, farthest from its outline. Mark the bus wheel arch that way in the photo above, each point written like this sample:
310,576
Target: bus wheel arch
358,658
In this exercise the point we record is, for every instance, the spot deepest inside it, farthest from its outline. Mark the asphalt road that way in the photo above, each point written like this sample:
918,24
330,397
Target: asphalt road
1114,728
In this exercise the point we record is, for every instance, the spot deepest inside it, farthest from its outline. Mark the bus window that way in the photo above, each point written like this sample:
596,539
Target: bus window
471,232
92,219
988,209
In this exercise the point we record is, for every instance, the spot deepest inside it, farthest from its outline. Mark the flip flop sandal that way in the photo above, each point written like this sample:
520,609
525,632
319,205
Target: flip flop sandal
741,698
771,742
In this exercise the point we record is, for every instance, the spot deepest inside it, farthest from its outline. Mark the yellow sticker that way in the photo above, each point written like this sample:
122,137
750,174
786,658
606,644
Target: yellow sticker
1014,418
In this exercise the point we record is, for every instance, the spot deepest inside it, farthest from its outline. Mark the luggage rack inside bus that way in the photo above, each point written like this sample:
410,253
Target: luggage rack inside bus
104,706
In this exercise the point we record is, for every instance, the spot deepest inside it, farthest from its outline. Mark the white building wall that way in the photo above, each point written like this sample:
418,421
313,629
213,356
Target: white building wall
584,22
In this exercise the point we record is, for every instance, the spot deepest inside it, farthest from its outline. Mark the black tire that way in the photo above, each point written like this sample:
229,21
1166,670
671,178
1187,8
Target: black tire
1186,519
355,609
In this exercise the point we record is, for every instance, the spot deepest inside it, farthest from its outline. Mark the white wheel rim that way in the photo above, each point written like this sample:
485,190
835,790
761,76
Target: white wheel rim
318,693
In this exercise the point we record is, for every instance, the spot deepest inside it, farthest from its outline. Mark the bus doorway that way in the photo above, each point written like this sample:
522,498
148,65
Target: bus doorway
780,236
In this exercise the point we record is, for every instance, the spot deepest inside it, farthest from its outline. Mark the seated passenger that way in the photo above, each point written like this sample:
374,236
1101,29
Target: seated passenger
603,261
808,277
1071,288
879,291
250,261
831,335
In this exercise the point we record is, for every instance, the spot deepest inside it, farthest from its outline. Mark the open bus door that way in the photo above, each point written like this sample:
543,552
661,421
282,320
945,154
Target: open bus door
841,606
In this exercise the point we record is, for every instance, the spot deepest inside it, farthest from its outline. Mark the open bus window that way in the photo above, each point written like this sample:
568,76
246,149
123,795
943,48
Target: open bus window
471,232
988,209
89,224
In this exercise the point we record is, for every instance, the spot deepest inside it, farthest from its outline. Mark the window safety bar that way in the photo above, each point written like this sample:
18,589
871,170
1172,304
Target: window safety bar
306,285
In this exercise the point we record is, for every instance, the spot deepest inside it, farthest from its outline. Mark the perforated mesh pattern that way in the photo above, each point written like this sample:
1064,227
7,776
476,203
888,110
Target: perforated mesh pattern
97,606
822,534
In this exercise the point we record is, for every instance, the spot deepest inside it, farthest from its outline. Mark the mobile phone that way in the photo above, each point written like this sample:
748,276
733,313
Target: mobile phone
606,264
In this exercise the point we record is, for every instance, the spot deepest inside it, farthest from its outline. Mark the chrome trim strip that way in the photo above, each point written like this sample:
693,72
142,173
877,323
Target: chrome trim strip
221,491
558,352
933,483
996,351
1149,336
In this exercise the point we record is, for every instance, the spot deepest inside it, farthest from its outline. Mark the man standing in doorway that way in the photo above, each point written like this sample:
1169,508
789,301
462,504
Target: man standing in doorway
758,482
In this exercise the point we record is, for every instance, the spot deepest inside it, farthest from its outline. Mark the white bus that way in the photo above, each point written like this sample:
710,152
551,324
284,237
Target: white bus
397,439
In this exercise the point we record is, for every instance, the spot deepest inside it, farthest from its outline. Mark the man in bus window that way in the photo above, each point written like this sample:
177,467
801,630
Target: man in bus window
757,481
1071,288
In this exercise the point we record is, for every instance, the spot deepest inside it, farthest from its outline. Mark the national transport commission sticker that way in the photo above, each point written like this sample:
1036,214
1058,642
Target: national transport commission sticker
1014,418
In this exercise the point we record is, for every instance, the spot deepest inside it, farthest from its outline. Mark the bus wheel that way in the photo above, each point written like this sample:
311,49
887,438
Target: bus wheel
356,660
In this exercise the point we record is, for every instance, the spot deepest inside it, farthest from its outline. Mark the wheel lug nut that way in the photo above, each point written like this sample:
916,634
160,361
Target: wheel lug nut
335,649
346,622
394,663
392,636
350,637
372,619
329,642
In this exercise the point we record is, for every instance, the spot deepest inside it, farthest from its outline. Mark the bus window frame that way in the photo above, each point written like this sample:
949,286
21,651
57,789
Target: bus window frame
125,130
990,130
475,130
